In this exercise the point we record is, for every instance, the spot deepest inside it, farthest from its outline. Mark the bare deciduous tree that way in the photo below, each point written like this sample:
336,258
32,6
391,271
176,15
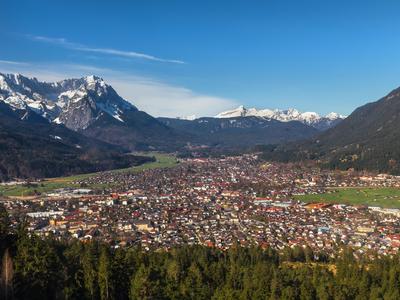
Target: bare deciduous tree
7,273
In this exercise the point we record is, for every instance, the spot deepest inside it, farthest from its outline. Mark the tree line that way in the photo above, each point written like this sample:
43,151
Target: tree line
46,268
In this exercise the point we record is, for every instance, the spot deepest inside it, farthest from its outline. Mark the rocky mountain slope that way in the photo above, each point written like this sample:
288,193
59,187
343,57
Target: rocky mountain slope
93,108
90,106
76,103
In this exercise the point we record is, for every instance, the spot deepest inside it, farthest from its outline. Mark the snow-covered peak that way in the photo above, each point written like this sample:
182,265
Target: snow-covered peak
3,82
61,101
240,111
334,116
17,78
93,78
291,114
8,80
94,82
309,116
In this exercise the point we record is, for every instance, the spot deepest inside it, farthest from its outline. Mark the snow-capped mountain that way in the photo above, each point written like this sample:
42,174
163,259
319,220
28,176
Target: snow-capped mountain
76,103
310,118
87,105
90,106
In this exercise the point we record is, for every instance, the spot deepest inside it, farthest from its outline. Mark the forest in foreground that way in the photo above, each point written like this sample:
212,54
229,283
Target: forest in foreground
36,268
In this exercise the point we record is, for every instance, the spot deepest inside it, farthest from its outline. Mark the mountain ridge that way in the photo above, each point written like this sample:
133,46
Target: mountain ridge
90,106
310,118
31,147
56,99
240,132
368,139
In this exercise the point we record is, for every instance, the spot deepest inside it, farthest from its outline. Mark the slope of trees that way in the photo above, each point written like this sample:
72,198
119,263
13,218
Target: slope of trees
34,148
35,268
368,139
240,132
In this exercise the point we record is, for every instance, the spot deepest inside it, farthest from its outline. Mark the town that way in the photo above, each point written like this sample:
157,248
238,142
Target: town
216,202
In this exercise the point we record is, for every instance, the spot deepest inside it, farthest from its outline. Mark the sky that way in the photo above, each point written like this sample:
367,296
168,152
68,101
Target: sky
180,58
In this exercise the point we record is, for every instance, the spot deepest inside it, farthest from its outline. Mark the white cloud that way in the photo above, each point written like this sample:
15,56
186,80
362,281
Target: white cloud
10,62
109,51
161,99
151,95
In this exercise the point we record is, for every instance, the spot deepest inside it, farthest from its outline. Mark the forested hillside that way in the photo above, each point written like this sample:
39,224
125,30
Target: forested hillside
240,132
368,139
31,147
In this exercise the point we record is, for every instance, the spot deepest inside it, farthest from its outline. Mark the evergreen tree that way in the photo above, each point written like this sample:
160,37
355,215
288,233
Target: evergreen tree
194,286
141,285
4,228
121,272
104,274
37,268
173,276
89,271
74,279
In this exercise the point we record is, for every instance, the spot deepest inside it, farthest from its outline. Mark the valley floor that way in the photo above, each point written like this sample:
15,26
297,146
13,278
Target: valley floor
36,189
217,202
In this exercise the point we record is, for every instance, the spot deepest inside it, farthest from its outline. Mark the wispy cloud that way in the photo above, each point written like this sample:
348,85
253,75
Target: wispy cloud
15,63
108,51
154,96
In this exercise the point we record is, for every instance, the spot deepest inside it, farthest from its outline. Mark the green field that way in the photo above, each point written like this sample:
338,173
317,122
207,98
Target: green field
50,184
383,197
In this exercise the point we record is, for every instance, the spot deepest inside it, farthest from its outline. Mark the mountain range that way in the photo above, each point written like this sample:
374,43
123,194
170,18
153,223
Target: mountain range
239,132
309,118
83,125
31,147
242,127
89,106
93,108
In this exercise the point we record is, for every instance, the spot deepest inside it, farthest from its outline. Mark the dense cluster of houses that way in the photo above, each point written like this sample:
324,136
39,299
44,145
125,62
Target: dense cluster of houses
215,202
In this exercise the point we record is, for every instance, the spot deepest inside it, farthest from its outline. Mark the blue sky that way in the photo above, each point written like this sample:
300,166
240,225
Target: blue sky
178,58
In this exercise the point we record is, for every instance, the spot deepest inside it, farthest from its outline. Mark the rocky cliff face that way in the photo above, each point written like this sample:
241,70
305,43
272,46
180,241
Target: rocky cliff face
76,103
87,105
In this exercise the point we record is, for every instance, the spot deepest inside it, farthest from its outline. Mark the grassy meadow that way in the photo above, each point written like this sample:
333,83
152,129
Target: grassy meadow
383,197
50,184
